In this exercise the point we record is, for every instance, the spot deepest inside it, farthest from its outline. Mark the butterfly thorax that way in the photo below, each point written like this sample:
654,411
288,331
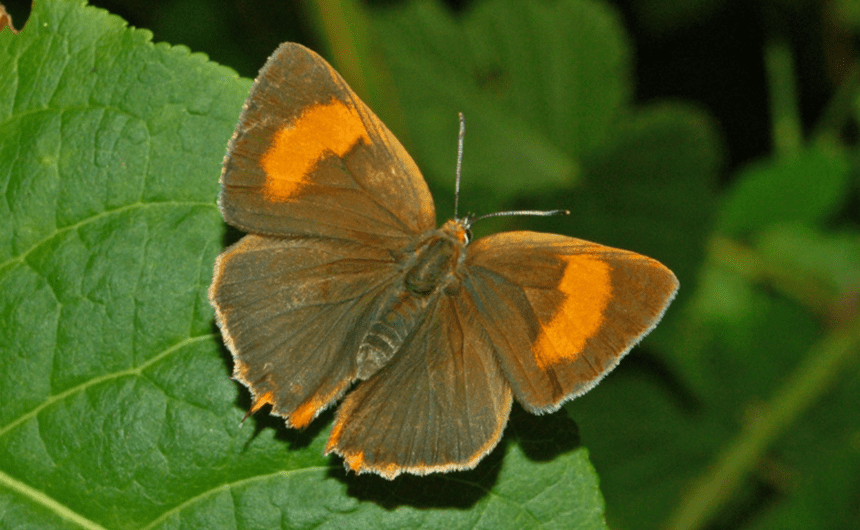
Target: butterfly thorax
431,270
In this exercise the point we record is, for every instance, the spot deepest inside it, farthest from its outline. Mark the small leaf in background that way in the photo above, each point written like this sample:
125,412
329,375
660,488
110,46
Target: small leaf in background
847,13
804,188
833,258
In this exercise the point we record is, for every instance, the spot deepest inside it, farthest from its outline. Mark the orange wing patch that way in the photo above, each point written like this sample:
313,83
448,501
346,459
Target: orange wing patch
266,399
587,288
331,128
307,411
355,461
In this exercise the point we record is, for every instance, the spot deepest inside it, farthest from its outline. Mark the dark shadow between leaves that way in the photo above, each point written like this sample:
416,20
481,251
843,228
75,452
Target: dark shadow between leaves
757,498
542,439
649,366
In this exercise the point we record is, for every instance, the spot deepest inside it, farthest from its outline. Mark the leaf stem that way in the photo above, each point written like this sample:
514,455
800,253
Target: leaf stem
347,37
800,286
786,130
816,374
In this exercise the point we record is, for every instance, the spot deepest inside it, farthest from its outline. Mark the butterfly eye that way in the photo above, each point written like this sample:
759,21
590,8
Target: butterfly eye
468,235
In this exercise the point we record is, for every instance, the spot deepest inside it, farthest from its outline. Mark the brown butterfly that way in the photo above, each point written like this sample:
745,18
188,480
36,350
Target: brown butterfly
344,278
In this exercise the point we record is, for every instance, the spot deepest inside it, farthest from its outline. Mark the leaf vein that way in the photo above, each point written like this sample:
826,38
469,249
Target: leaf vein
21,257
50,400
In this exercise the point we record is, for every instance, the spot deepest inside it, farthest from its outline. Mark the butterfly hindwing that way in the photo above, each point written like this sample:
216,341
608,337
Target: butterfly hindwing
293,311
441,404
561,312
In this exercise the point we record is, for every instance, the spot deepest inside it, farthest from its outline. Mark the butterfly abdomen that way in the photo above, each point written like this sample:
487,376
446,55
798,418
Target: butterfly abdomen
396,320
427,273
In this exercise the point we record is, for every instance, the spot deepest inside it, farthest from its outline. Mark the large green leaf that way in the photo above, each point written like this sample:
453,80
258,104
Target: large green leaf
118,409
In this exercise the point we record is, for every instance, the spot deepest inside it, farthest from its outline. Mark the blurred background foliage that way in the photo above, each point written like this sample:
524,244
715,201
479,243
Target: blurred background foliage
718,136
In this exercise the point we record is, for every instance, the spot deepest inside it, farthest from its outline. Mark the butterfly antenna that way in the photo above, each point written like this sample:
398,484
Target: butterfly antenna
460,138
470,220
539,213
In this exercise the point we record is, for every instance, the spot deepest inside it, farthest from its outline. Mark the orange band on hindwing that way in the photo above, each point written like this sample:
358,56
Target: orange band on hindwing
587,288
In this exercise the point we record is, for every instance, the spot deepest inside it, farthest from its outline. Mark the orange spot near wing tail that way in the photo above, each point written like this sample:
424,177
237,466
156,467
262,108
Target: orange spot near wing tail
265,399
355,461
307,411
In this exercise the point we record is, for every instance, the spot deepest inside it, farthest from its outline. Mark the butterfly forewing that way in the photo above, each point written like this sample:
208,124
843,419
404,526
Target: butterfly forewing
440,405
309,158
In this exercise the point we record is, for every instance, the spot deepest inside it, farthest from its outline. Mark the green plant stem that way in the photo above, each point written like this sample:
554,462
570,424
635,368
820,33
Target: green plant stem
840,110
348,40
826,360
786,129
342,26
804,288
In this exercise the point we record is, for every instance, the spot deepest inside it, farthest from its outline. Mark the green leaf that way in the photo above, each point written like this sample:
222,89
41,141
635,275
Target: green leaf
805,188
847,13
118,408
832,258
651,188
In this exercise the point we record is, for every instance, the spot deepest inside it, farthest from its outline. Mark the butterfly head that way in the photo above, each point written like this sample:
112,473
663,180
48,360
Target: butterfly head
459,229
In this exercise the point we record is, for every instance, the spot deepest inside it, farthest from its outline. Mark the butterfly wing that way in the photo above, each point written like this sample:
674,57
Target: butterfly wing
293,312
330,198
309,158
561,312
541,317
441,405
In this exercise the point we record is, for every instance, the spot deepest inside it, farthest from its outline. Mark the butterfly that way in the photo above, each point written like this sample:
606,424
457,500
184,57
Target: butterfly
343,288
